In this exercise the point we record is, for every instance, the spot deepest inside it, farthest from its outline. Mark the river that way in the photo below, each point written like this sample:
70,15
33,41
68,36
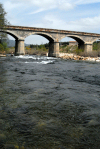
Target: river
49,103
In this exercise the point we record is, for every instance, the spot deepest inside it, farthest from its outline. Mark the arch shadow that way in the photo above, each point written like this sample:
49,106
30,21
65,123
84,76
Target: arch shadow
78,39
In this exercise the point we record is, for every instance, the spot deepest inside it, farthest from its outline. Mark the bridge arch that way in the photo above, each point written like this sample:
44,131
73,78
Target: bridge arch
95,40
80,41
77,38
11,33
73,36
45,35
53,46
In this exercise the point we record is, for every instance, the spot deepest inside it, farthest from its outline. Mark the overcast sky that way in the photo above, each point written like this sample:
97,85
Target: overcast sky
75,15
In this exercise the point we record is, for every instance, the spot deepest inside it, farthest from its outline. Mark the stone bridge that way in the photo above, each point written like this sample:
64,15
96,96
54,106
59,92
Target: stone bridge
85,40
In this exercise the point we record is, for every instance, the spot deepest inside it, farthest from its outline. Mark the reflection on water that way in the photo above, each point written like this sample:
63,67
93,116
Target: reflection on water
49,103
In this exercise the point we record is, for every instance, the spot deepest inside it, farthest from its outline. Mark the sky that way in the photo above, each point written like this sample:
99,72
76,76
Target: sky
75,15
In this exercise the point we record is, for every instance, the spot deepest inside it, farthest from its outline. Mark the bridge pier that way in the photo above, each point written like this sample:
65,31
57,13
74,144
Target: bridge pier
88,47
53,49
19,47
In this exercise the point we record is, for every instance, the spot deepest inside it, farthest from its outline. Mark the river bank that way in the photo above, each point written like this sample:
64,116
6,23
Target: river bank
69,56
73,56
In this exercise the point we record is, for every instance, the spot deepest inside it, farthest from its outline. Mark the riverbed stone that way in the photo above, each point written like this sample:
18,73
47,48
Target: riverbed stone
77,57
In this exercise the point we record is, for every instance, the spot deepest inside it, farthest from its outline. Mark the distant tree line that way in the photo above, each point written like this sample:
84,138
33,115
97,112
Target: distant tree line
46,45
39,46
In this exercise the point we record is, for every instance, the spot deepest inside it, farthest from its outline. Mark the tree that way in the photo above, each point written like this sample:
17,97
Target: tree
1,47
3,23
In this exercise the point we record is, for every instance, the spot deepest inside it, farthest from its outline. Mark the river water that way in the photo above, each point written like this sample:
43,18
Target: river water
49,103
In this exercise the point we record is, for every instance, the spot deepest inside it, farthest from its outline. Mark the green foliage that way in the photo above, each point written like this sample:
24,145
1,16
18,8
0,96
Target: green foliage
43,47
1,47
4,45
3,23
27,48
78,51
96,45
2,16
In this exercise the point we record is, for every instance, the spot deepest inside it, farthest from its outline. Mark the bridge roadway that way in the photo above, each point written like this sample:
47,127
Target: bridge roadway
85,40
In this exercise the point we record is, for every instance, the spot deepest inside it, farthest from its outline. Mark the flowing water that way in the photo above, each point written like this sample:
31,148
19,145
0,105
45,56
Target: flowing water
49,103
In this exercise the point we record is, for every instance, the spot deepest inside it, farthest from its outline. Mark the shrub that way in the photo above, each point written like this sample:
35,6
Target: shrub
4,44
96,46
27,48
1,48
78,51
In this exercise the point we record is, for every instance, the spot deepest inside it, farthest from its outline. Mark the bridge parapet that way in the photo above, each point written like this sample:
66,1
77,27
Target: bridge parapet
51,30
